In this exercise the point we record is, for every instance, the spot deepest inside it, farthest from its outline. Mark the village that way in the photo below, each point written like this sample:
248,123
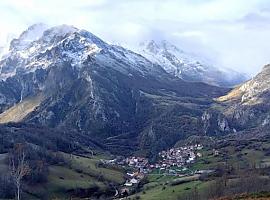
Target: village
171,162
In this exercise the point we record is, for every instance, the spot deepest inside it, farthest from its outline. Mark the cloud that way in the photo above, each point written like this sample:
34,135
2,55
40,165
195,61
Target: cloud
232,33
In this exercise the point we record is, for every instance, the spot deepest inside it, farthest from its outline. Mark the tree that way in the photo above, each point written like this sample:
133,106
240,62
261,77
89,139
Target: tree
18,166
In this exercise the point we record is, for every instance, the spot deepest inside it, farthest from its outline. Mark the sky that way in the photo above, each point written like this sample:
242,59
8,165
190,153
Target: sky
231,33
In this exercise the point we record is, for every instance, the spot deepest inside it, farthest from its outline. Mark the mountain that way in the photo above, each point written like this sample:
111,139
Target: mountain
187,66
33,33
64,77
247,106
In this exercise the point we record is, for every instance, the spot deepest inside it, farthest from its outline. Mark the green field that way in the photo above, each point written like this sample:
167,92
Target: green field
163,190
238,158
63,180
89,166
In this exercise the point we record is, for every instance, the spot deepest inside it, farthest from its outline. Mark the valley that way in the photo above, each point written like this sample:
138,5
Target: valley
85,119
226,163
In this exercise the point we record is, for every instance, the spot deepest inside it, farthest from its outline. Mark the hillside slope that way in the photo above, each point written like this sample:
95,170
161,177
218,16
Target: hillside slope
247,106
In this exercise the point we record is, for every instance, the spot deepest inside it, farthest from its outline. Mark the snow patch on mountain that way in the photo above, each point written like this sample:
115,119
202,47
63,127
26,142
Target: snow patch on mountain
33,33
40,49
187,66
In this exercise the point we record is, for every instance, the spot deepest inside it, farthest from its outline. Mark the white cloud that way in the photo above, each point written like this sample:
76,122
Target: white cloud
233,33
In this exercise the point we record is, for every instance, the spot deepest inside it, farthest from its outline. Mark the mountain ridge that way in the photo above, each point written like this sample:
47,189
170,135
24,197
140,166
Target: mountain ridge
102,90
247,106
187,66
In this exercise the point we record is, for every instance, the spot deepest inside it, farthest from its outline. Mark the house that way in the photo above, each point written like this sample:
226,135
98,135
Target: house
199,155
130,174
190,159
215,152
128,184
134,181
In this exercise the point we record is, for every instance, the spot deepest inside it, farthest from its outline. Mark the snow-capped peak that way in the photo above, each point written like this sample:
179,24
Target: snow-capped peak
157,46
58,31
40,47
171,58
168,46
65,44
151,46
185,65
33,33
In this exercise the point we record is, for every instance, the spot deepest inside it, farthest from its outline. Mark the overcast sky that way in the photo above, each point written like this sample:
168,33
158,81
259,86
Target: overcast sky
232,33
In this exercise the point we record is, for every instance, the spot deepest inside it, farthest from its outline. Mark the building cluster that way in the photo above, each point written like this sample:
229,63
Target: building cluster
172,161
137,167
178,157
139,163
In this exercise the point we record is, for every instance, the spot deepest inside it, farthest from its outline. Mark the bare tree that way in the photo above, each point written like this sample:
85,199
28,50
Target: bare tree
18,166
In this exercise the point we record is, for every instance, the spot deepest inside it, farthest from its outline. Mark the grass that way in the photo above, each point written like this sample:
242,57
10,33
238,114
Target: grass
69,179
205,162
61,180
81,173
159,178
160,187
168,192
84,173
90,166
243,158
234,94
19,111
